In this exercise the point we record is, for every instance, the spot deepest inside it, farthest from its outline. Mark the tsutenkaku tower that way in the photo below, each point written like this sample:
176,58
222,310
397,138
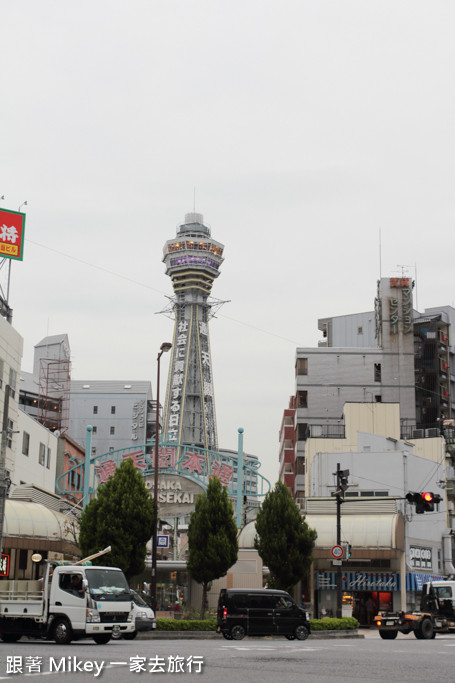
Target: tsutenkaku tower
192,261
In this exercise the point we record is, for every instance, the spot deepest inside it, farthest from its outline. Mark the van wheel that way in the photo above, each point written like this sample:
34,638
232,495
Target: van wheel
301,632
289,637
227,636
62,632
237,632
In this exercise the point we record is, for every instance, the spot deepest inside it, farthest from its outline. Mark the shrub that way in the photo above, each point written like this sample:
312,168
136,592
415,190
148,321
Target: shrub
186,624
328,624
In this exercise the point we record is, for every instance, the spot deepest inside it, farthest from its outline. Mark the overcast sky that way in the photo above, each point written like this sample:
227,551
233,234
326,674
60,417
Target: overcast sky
319,136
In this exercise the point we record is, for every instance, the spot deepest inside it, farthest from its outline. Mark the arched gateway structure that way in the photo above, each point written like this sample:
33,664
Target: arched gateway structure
184,471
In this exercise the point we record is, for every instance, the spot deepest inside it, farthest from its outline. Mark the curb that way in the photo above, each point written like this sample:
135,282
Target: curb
213,635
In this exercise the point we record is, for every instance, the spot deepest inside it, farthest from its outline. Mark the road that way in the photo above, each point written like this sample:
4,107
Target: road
250,660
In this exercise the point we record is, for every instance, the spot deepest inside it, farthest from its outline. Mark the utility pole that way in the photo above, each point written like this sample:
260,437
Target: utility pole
4,482
342,485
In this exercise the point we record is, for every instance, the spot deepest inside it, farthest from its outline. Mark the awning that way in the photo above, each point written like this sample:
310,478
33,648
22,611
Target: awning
414,581
359,581
361,531
24,519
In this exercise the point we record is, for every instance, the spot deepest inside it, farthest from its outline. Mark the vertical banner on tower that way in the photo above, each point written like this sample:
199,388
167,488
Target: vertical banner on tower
12,229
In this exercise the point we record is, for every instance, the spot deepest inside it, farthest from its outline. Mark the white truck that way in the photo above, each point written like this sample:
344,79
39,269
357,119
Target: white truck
69,602
436,614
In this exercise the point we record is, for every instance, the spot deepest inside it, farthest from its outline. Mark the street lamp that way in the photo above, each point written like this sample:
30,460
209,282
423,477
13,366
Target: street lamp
164,347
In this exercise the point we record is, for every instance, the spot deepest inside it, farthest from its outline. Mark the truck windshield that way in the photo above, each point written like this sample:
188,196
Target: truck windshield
107,584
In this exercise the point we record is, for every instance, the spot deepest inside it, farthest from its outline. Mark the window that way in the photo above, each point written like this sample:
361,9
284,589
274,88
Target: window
93,450
301,366
9,437
1,372
12,382
25,443
300,431
377,372
111,449
95,410
112,430
302,399
42,454
48,459
360,330
94,430
112,410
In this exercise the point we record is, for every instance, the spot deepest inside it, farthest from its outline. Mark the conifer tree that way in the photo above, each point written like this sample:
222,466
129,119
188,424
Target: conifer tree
212,537
284,540
121,515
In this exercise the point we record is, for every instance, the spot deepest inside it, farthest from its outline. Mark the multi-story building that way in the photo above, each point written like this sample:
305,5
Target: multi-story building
122,413
11,346
391,355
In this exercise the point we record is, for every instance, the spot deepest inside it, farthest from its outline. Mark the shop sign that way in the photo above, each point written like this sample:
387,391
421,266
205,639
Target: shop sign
176,495
421,557
4,565
12,229
359,581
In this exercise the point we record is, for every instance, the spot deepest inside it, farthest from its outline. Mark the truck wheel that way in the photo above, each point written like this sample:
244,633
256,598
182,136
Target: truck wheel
10,637
301,632
388,635
62,632
237,632
426,629
102,638
130,636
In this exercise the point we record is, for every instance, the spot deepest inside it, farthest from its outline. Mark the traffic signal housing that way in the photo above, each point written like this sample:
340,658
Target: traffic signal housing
424,501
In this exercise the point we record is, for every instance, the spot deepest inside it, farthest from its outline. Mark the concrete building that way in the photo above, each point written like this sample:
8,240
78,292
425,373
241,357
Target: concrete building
390,355
11,346
393,549
121,413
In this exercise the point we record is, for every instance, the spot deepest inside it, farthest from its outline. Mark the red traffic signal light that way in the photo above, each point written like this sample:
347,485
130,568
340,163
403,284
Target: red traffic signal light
424,501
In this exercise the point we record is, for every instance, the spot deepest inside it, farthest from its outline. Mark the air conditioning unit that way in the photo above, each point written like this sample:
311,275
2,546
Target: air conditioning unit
418,433
433,431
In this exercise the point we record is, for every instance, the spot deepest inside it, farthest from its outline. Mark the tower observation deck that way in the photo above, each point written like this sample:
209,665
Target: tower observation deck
192,262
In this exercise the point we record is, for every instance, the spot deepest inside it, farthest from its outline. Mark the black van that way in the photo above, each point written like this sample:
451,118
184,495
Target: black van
261,612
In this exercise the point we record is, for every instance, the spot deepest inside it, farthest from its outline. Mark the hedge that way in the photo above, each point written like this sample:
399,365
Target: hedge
326,624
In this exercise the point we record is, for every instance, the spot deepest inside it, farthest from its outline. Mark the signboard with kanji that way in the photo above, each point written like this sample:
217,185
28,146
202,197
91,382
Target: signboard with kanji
4,565
12,229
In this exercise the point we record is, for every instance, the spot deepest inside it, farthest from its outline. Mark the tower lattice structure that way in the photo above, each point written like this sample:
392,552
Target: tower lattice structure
192,261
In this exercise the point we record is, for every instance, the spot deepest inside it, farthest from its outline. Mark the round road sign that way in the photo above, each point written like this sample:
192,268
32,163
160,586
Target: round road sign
337,552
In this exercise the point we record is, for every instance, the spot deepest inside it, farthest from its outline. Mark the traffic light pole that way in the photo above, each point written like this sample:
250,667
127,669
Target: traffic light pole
339,592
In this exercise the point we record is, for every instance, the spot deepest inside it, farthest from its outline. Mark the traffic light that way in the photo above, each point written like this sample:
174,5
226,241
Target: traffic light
424,502
429,499
342,482
348,551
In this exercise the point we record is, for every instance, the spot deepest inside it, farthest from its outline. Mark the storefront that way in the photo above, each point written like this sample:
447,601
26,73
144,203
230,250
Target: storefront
364,594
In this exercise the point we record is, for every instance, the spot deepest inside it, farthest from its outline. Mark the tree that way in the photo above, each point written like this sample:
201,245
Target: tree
284,540
121,516
212,537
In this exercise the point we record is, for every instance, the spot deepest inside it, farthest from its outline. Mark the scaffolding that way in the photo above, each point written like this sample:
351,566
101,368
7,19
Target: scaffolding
54,387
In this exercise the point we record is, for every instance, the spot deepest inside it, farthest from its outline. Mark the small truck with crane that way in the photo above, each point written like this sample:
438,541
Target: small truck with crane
436,615
69,602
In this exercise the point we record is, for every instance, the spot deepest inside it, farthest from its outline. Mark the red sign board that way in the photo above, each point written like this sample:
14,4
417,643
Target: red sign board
12,228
